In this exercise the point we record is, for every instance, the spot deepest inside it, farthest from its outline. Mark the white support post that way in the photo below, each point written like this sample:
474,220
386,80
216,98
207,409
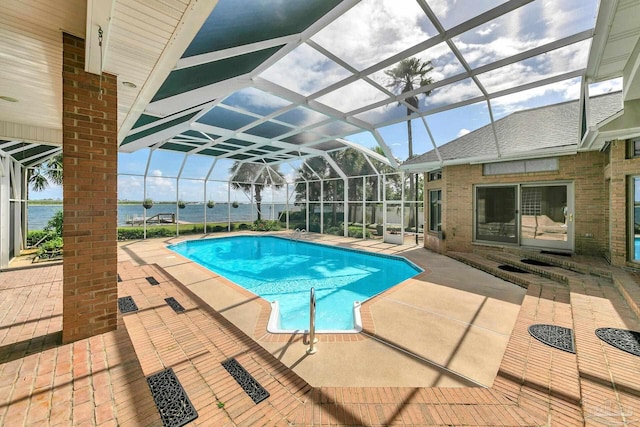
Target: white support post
321,207
229,206
364,208
345,216
5,232
307,205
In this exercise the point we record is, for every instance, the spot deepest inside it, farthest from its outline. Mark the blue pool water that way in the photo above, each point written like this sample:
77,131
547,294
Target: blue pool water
637,242
284,270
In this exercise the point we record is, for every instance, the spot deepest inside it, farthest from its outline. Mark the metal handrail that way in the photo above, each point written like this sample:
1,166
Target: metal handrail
312,322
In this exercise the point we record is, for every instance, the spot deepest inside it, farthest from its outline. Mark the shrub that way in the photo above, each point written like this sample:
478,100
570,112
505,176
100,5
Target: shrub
335,230
266,225
243,226
36,236
55,224
357,232
50,248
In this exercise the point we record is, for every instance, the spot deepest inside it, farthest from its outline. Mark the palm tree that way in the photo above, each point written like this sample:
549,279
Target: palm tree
47,173
410,74
244,174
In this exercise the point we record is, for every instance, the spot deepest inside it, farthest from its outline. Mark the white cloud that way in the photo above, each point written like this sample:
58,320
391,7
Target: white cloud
487,29
462,132
374,30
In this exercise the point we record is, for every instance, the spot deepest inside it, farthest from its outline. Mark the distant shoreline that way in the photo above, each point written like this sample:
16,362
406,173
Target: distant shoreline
59,203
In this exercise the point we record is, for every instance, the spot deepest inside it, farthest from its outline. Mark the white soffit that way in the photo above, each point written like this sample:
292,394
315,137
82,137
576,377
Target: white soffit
31,60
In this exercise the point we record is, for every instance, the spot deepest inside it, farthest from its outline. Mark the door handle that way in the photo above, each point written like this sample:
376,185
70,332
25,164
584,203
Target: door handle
571,217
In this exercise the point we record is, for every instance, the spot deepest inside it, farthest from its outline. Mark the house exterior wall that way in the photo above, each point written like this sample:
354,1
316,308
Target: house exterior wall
618,172
90,149
585,170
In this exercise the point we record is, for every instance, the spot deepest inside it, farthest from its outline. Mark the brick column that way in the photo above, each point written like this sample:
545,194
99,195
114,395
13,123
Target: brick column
90,148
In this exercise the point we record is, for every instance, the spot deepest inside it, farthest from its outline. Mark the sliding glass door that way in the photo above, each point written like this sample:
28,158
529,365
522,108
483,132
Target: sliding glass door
635,215
539,215
546,216
496,214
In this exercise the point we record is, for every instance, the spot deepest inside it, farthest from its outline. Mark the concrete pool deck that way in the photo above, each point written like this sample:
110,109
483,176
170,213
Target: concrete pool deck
448,326
100,381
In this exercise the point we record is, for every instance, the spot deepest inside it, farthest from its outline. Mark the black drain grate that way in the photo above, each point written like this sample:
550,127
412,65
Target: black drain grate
152,280
127,305
512,269
249,384
622,339
119,278
171,400
536,262
174,304
554,336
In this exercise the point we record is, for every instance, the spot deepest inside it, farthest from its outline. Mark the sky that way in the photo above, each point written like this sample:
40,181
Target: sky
373,31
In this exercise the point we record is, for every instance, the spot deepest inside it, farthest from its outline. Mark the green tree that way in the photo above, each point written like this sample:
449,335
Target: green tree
410,74
46,173
257,176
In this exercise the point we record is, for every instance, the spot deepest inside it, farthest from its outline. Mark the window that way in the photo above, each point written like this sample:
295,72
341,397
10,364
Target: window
635,227
521,166
435,175
634,149
435,210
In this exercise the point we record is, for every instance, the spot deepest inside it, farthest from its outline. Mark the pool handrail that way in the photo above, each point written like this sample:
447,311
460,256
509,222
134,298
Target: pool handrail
312,322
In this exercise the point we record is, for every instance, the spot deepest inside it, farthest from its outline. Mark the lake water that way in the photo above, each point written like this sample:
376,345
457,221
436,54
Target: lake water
39,215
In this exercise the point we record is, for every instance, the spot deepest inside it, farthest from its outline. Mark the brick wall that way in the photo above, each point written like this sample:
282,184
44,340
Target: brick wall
585,170
90,159
620,170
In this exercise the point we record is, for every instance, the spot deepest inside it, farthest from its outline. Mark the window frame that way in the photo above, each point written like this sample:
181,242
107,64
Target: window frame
435,227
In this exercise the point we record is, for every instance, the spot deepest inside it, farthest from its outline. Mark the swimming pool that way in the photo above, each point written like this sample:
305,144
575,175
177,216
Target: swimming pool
283,270
637,254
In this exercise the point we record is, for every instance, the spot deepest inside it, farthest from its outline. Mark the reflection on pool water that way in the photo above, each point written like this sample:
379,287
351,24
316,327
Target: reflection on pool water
285,270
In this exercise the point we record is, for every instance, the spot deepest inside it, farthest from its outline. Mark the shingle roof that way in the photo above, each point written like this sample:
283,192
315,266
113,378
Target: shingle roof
527,131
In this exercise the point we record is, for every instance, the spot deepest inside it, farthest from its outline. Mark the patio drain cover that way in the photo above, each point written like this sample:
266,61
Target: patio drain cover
174,304
536,262
554,336
152,280
622,339
255,391
172,401
127,305
512,269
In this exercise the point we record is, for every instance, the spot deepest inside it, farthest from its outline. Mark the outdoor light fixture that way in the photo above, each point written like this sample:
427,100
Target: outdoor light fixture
129,84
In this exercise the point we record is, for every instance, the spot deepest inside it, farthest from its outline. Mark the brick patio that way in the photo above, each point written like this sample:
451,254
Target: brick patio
101,380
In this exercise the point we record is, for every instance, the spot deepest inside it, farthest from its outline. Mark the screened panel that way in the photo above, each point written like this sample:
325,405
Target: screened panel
520,30
404,19
240,22
373,187
255,101
333,190
314,70
226,119
393,187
